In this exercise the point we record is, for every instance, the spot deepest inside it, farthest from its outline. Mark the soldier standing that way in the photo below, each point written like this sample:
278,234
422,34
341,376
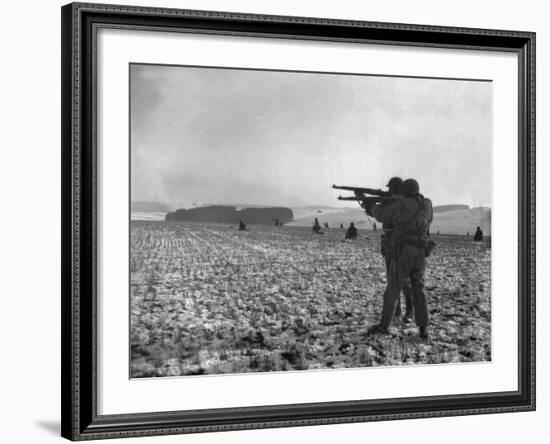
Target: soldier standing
316,226
394,186
410,217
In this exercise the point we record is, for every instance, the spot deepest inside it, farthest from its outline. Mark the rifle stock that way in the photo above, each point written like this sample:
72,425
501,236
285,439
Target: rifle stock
378,199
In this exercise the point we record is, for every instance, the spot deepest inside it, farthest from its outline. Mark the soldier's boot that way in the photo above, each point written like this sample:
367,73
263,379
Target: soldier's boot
424,334
377,329
408,316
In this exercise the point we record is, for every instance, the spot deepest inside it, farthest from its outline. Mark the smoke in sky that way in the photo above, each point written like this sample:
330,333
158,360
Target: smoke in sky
282,138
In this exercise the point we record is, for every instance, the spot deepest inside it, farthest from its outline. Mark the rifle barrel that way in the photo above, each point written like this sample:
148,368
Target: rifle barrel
360,198
360,190
349,198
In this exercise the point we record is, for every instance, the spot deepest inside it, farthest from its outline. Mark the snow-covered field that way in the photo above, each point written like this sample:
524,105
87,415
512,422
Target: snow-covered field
207,298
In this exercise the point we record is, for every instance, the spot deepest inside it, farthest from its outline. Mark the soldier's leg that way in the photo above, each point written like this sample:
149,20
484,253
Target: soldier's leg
399,270
391,296
398,310
419,296
387,260
409,301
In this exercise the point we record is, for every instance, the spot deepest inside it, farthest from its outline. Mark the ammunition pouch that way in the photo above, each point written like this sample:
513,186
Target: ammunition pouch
419,242
430,245
415,241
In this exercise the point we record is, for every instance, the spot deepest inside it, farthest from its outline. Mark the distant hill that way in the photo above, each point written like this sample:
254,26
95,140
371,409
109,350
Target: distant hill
448,219
305,216
462,221
317,207
445,208
149,207
230,214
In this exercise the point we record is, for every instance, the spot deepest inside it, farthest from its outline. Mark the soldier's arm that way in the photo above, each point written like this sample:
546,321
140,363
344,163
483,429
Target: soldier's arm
385,213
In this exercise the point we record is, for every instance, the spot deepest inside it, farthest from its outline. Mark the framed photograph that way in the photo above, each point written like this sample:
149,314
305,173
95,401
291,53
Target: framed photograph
277,221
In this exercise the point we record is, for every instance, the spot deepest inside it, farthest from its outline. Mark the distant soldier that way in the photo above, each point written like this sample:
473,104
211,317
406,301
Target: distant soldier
411,217
341,225
478,236
374,226
351,233
316,226
276,222
242,226
326,225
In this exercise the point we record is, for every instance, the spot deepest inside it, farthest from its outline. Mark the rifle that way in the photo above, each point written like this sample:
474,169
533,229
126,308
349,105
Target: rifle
377,199
360,191
380,195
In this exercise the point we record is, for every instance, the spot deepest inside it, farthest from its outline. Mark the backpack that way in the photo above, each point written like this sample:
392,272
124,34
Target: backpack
416,229
418,224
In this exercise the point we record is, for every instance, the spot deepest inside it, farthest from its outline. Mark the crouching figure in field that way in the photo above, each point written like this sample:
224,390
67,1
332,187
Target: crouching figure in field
352,232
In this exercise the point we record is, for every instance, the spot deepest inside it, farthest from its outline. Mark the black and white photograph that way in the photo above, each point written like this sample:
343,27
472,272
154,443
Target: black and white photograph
284,221
288,220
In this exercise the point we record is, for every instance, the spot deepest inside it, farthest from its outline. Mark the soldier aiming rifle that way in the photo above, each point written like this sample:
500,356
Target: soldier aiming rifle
411,217
384,198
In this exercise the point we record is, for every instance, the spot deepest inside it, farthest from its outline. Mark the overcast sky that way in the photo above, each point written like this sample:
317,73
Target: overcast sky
282,138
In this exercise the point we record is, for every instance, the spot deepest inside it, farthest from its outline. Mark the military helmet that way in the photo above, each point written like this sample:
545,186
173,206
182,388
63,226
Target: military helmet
395,184
410,188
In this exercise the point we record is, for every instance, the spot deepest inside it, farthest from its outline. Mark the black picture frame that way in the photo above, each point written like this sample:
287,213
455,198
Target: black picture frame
80,420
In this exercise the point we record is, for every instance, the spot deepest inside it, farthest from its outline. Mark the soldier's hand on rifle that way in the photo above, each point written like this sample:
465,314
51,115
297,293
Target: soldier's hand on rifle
359,196
368,204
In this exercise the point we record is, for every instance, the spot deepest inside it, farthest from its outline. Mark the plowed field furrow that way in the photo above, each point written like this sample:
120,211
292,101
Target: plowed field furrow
207,298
